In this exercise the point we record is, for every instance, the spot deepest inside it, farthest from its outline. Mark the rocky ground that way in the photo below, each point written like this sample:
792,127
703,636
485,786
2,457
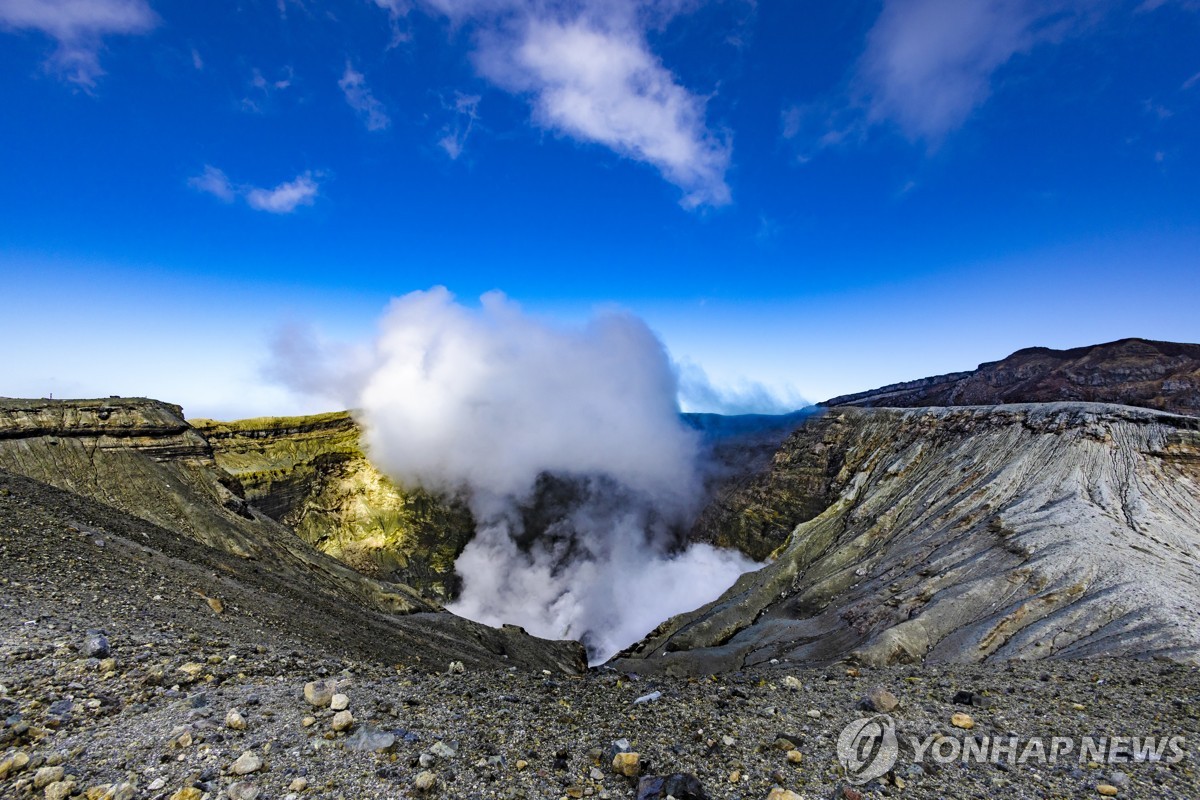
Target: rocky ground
186,696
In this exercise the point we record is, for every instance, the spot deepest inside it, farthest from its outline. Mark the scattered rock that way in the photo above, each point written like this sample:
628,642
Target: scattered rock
443,749
46,776
192,670
339,702
879,700
522,765
793,683
235,721
963,721
627,764
246,764
243,790
342,721
425,781
456,668
60,790
216,605
366,739
783,794
795,756
681,786
298,785
319,693
95,645
647,698
188,793
1107,789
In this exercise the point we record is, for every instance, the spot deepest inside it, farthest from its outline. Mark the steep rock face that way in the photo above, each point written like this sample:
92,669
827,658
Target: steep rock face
964,535
310,473
1135,372
141,458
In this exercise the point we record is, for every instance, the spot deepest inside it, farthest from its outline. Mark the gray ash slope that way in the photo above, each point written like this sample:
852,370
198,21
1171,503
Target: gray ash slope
960,535
150,713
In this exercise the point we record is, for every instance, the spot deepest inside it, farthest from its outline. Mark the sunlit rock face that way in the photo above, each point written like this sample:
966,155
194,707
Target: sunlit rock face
311,474
961,535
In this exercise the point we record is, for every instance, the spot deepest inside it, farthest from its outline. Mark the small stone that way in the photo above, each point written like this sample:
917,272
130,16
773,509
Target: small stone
814,713
339,702
963,721
246,764
443,750
850,793
95,645
793,683
106,666
298,785
735,776
319,693
243,790
852,672
456,668
46,776
60,790
879,700
795,756
425,781
188,793
626,764
235,721
192,670
157,784
1107,789
215,604
342,721
522,765
370,740
308,722
783,794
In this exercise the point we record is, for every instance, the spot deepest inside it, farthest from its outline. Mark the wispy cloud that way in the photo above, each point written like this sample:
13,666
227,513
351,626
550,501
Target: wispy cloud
262,89
215,182
359,97
589,72
282,199
1190,82
930,64
454,135
79,27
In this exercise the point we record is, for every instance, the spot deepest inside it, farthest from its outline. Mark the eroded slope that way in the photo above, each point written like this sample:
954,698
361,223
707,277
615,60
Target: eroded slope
141,458
968,534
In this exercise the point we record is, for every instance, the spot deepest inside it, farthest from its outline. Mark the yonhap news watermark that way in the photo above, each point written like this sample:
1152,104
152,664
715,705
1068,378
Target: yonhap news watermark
869,748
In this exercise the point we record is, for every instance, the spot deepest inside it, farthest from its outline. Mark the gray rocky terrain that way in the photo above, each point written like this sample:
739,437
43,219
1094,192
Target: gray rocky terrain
960,535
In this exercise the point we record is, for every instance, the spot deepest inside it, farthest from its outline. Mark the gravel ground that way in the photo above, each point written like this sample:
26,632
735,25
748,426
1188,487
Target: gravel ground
146,713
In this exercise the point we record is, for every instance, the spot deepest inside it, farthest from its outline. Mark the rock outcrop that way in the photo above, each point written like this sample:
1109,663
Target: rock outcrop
141,458
960,535
1136,372
311,474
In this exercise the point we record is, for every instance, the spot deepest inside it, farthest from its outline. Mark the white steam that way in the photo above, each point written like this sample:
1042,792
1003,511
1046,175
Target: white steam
567,444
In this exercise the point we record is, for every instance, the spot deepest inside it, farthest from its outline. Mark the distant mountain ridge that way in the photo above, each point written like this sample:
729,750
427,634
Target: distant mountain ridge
1136,372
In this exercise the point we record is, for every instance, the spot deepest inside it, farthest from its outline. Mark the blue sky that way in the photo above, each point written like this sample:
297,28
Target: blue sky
817,197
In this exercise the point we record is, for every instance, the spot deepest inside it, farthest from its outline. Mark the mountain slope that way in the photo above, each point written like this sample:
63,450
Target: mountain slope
964,535
142,459
311,474
1135,372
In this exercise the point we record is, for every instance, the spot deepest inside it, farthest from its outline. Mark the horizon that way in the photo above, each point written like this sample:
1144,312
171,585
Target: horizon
799,202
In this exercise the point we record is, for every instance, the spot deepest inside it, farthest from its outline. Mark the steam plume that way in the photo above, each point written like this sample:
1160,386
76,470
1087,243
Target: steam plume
568,446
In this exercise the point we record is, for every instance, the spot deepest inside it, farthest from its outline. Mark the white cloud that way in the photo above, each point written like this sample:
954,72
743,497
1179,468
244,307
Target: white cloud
215,182
79,27
286,197
1190,82
454,136
282,199
354,86
930,63
590,74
